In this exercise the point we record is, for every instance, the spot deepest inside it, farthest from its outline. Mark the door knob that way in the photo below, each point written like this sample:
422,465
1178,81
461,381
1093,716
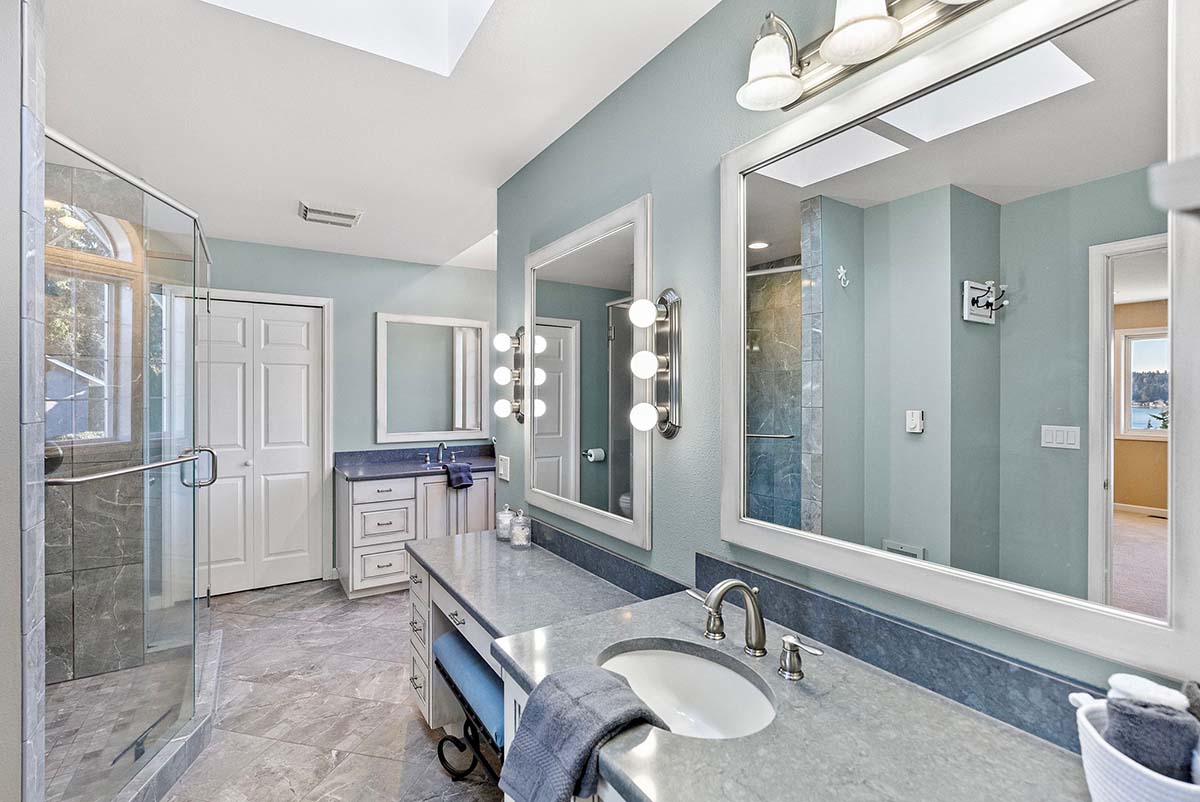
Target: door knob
248,463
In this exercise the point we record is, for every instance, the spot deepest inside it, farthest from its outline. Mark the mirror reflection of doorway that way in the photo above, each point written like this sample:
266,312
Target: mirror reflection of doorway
1136,395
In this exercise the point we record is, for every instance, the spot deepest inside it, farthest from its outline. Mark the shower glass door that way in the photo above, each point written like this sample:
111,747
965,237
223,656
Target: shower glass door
120,321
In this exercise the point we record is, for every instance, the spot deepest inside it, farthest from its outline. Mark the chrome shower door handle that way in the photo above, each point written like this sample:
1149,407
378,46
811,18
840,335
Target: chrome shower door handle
213,475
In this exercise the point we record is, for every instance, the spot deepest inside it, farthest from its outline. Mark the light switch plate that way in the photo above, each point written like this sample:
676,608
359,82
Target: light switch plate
502,468
1060,437
914,421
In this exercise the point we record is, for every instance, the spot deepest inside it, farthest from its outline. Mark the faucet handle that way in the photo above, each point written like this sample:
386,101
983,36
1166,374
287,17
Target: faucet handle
793,642
790,662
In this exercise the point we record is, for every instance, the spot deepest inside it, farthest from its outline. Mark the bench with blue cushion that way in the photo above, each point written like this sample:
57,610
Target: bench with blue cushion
480,691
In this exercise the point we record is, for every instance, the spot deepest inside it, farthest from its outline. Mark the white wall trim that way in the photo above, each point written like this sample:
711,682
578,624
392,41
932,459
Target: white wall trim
382,435
636,531
996,29
326,307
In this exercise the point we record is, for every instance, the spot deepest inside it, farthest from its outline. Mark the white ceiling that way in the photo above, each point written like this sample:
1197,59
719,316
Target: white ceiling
1139,277
1114,124
240,118
606,263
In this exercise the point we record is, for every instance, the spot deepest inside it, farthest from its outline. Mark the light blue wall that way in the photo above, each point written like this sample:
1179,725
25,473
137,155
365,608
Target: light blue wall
588,306
1044,369
359,287
663,132
907,256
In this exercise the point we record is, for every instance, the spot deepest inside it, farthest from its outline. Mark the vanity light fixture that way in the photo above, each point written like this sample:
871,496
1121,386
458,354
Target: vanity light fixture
759,245
502,342
660,366
502,375
539,344
773,80
863,30
503,407
539,407
539,377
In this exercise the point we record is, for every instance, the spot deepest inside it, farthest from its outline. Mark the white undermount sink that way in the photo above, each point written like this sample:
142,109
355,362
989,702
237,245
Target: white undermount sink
695,696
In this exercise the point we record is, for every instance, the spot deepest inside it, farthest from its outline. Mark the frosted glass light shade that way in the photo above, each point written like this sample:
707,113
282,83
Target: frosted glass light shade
644,416
863,30
644,364
643,313
539,344
539,407
502,342
503,408
771,84
502,375
539,377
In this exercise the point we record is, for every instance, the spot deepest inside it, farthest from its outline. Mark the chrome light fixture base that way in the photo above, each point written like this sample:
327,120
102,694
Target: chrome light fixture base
668,386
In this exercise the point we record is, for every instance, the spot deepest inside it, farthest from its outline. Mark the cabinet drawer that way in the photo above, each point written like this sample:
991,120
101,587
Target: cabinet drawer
376,567
389,522
418,583
419,679
384,490
468,627
420,632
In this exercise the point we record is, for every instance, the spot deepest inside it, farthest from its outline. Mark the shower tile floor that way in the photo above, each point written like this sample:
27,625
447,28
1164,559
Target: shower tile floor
315,705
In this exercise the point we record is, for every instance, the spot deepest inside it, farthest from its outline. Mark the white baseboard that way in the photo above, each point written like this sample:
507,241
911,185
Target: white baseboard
1140,510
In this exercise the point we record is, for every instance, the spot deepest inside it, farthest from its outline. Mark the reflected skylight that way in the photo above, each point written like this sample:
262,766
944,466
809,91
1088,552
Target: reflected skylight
839,154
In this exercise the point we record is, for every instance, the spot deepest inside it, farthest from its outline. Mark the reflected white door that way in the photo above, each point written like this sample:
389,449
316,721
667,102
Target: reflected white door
556,433
264,394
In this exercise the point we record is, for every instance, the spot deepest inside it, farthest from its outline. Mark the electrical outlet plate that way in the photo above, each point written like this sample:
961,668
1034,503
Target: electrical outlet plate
502,468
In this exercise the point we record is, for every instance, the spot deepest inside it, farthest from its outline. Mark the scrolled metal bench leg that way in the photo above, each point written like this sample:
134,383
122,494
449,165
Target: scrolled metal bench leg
461,746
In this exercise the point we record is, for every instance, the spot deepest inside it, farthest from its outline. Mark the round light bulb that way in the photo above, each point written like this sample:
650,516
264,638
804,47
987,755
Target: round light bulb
644,416
863,31
502,342
539,344
502,375
539,377
644,364
539,407
643,313
503,408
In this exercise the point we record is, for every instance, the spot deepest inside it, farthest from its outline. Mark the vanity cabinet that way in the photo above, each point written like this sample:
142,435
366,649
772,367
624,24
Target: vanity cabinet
375,519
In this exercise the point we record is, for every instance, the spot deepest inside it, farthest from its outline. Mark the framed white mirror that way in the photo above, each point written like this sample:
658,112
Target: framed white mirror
952,354
431,378
584,460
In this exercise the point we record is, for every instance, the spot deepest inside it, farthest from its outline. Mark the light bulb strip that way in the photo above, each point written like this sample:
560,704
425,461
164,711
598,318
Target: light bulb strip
516,380
918,19
667,388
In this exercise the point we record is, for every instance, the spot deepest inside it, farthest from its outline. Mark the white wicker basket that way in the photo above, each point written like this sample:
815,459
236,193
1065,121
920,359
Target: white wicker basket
1112,777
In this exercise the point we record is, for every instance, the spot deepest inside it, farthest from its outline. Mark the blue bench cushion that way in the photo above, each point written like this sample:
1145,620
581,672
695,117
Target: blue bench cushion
475,679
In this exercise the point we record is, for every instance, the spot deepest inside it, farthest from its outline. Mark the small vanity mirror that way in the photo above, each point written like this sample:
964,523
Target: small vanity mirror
585,459
956,345
430,375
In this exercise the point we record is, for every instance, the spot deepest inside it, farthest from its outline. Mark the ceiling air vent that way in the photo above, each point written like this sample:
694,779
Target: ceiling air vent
343,218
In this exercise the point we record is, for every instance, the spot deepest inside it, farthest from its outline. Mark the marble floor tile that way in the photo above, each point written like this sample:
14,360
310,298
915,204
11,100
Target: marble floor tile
402,735
221,763
284,772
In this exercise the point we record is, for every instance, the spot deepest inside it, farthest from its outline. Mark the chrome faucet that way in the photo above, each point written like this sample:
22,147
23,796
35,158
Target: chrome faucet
714,627
441,452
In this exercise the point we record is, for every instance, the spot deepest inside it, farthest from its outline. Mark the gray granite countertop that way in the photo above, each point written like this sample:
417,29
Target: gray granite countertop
396,469
511,590
847,731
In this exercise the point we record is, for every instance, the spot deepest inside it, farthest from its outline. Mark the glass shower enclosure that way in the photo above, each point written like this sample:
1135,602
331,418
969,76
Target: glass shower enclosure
126,282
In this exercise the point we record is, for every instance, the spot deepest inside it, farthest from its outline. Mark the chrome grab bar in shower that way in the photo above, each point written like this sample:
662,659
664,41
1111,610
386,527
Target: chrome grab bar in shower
92,477
770,436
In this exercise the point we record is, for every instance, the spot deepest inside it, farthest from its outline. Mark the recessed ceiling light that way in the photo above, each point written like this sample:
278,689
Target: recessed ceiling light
839,154
1027,78
758,246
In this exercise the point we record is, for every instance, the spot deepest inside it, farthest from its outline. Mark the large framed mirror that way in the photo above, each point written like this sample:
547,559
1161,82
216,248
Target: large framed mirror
953,362
584,460
430,378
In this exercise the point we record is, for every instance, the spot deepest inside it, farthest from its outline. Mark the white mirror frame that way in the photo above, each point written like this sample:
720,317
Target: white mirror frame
1169,647
635,531
382,435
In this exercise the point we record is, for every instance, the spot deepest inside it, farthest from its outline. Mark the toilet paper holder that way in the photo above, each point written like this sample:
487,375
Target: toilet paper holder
594,455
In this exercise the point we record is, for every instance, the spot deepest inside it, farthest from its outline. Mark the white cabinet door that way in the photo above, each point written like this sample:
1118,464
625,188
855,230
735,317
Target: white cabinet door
436,510
476,506
263,392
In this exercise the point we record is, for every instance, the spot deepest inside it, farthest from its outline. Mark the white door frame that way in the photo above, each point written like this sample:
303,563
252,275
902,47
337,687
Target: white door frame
573,438
329,571
1102,422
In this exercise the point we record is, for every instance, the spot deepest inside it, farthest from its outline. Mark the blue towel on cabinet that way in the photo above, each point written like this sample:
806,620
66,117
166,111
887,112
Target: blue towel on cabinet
459,474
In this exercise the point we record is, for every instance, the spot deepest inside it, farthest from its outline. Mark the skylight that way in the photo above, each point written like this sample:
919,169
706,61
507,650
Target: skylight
1027,78
839,154
430,34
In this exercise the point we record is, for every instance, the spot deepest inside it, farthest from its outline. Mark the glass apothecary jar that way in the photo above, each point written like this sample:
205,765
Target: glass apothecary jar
520,531
504,520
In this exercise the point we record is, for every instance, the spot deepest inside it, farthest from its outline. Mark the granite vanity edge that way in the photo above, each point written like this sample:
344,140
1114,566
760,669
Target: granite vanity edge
405,470
475,613
1021,695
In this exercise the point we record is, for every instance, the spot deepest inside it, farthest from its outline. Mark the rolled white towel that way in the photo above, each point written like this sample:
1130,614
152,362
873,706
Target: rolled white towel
1140,689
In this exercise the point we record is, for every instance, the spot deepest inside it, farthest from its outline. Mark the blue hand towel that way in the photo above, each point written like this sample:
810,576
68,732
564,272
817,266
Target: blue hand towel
1160,738
459,474
568,717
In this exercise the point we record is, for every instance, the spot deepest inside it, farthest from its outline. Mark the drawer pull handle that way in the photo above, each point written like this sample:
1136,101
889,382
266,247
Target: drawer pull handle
383,565
415,627
383,489
383,523
456,619
416,580
415,683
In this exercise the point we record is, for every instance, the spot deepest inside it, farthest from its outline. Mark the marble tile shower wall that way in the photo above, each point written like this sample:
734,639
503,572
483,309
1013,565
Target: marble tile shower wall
95,532
784,383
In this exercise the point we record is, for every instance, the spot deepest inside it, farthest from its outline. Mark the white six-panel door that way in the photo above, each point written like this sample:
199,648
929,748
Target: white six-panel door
260,379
